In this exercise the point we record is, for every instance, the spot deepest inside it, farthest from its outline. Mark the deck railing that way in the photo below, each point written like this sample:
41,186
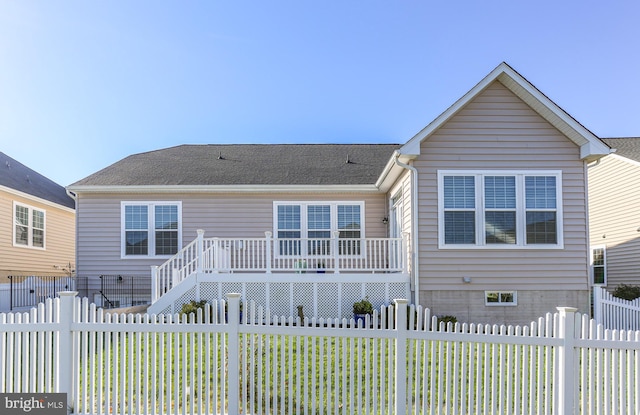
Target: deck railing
288,255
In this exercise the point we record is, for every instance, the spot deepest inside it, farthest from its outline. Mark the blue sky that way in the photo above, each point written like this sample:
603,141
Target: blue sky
83,84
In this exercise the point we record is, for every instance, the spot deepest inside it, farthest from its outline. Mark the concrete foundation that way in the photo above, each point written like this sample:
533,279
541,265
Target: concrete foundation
469,306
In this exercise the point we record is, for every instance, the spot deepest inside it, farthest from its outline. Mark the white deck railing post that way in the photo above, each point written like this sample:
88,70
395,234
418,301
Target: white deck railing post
65,362
233,316
400,380
216,255
336,256
199,250
154,284
268,242
566,361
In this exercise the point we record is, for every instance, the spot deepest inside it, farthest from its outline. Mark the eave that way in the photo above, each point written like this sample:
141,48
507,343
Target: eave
364,188
36,199
392,171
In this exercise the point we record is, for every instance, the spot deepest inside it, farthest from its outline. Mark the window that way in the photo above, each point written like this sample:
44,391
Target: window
599,265
499,209
349,224
151,228
501,298
28,227
317,222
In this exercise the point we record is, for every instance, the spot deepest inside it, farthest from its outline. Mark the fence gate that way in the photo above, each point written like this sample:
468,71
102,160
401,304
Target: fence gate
124,290
29,291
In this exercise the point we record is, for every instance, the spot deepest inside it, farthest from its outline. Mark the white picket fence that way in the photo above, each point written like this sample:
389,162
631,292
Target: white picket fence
615,313
398,363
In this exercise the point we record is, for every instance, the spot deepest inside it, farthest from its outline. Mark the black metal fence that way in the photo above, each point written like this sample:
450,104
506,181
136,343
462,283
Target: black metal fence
115,290
29,291
124,290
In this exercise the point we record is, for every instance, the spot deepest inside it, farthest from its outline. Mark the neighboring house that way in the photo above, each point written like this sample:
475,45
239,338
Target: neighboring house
481,215
37,223
614,214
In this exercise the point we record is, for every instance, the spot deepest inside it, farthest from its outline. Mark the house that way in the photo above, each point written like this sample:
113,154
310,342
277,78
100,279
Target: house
614,214
37,223
481,215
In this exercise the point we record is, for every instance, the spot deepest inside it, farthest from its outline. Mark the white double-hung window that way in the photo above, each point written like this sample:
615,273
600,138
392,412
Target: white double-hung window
29,226
599,265
500,209
151,228
306,228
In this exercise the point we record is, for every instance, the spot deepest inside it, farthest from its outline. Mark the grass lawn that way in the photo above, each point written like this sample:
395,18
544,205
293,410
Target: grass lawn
176,372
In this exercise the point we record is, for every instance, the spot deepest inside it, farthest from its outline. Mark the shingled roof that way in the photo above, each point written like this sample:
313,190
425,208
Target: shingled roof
628,147
248,164
17,176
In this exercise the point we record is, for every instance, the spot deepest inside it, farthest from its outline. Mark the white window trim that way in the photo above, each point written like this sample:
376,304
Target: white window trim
520,209
151,212
303,219
396,222
514,303
592,268
29,244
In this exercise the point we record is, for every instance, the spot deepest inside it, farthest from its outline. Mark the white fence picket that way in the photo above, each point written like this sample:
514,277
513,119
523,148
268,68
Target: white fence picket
200,364
615,313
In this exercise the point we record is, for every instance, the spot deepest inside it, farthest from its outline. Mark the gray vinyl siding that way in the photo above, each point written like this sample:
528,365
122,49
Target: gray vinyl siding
497,131
59,240
614,217
224,216
402,187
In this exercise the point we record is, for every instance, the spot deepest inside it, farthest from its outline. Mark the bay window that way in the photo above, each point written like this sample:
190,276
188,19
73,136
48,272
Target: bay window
151,228
500,209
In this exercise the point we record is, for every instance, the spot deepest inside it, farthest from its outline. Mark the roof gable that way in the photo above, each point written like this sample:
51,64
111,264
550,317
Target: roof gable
591,147
15,175
247,164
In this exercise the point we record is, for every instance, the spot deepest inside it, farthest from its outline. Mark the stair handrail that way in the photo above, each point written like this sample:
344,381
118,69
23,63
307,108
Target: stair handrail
176,268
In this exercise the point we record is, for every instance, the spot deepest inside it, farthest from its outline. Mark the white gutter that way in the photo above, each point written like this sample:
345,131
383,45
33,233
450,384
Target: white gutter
71,194
414,228
348,188
36,199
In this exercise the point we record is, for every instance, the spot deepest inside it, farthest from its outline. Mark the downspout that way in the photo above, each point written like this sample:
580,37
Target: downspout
414,228
75,200
588,166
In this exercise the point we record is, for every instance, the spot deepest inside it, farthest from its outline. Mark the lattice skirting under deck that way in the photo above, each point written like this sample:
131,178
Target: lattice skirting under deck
319,299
